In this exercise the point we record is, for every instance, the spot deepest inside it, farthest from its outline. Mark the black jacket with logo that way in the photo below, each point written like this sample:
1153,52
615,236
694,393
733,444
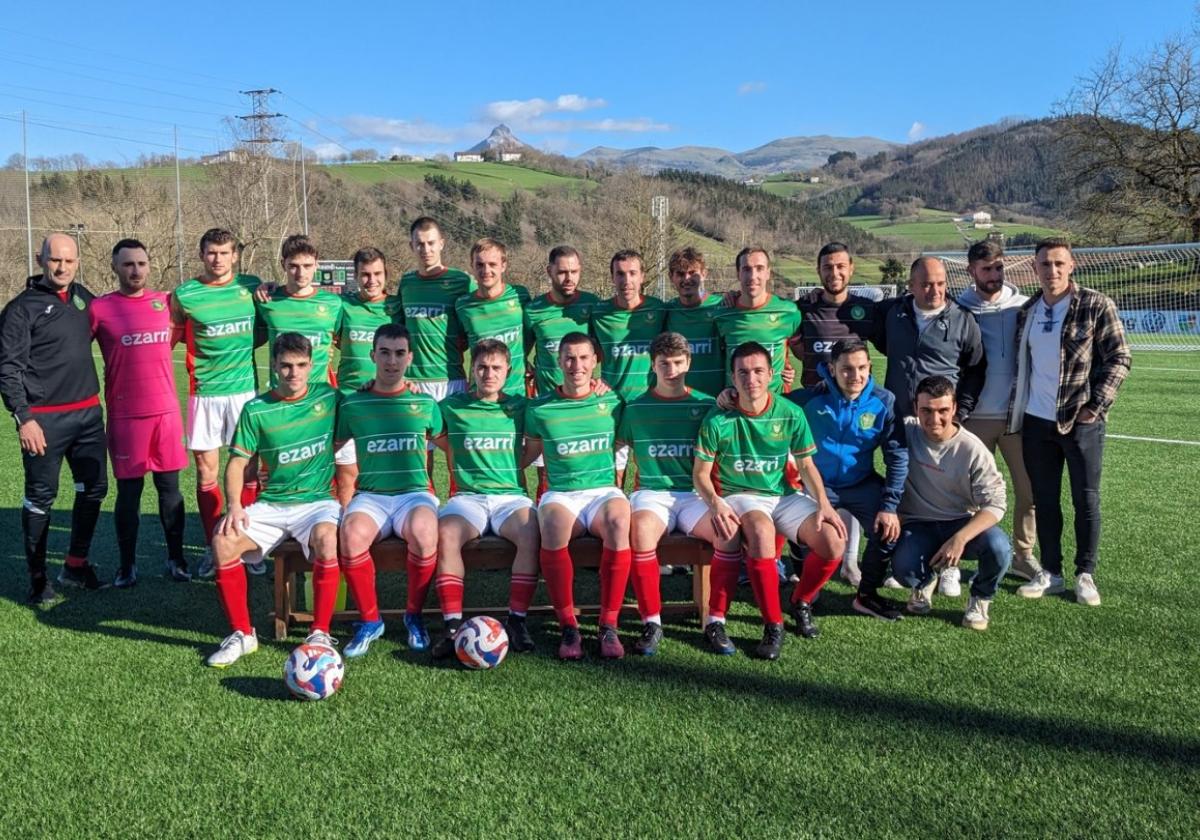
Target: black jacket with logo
46,349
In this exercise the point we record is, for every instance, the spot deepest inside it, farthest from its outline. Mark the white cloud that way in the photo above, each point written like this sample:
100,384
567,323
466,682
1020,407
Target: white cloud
415,132
746,88
520,111
326,151
916,132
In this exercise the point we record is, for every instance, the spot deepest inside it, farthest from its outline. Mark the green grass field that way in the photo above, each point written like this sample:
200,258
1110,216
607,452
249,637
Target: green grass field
934,229
1058,721
497,178
787,189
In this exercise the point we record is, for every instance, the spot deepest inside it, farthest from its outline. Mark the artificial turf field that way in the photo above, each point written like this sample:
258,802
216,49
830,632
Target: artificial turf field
1058,721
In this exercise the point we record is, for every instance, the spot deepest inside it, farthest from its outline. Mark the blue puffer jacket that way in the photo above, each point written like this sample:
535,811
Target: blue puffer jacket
847,433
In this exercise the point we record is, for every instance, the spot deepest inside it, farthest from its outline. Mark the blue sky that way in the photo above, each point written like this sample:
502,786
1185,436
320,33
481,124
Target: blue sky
425,78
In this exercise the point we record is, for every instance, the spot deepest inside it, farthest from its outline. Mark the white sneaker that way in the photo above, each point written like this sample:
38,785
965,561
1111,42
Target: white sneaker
1044,584
976,615
950,582
891,583
920,600
1026,568
850,571
1086,592
320,637
236,645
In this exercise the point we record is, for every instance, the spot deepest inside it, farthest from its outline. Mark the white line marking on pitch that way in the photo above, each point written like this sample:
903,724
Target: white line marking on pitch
1167,370
1156,440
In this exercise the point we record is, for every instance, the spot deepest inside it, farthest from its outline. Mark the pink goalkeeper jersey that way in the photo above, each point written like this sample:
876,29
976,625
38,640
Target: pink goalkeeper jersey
134,334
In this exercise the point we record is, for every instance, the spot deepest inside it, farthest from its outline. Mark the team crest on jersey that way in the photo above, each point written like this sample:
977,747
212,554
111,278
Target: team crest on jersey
243,293
79,303
777,429
866,420
322,308
857,313
414,408
158,306
319,408
695,412
650,316
603,406
774,318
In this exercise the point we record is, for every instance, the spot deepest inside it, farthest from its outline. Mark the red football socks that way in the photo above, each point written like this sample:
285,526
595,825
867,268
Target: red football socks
360,580
614,578
520,593
559,573
419,571
450,595
723,578
325,580
209,502
249,493
764,580
817,572
73,562
646,585
231,589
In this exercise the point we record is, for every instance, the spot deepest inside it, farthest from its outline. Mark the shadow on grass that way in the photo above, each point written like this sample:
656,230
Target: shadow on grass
259,688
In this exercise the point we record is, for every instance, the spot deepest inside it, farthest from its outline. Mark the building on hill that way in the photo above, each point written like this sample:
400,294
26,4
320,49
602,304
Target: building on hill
981,219
510,157
468,157
224,156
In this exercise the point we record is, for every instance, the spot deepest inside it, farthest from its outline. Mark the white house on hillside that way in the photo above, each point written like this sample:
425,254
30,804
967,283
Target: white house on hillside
981,219
468,157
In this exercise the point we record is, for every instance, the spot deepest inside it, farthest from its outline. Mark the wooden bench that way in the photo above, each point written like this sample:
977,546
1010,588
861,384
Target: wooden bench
489,553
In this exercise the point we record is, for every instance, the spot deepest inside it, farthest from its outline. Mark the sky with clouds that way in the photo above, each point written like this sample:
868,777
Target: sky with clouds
118,80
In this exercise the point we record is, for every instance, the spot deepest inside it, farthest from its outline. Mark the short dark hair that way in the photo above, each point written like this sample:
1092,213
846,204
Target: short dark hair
625,254
1051,242
368,255
558,252
573,338
985,249
424,223
669,344
833,248
490,347
218,236
298,245
935,386
684,258
128,243
846,346
747,251
291,342
391,331
749,348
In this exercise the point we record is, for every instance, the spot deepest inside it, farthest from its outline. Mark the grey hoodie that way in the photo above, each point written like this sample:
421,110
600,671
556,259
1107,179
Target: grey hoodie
998,323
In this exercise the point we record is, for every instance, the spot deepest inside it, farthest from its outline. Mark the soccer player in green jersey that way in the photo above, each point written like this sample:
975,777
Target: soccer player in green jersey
363,312
290,428
390,427
301,307
575,428
214,315
426,300
660,428
549,317
496,310
759,315
691,315
749,445
483,437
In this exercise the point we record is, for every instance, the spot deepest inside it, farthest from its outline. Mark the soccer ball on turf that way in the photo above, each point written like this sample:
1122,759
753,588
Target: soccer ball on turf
481,643
313,672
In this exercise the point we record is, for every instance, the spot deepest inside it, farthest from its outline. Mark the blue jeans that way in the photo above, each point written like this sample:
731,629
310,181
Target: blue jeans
919,541
863,501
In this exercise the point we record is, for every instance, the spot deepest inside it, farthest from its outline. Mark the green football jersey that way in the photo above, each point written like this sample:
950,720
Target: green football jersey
293,440
356,335
695,323
547,322
577,438
485,439
624,336
390,432
316,317
661,434
502,318
771,325
751,451
436,336
219,335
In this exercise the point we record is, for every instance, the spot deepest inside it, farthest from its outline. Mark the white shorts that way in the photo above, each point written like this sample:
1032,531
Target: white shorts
486,512
390,513
211,421
787,512
439,389
346,454
583,504
679,510
271,524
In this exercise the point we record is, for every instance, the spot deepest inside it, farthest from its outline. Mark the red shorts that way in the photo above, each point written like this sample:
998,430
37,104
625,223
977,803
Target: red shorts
138,445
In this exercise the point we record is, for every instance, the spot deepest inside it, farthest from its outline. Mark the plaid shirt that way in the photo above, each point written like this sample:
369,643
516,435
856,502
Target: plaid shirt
1093,361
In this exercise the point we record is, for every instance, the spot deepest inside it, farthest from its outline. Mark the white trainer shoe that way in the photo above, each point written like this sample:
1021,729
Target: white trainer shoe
1044,584
236,645
950,582
1086,592
891,583
920,600
976,615
1026,568
320,637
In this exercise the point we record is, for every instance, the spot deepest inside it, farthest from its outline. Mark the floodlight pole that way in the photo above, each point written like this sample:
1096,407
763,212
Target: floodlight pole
660,212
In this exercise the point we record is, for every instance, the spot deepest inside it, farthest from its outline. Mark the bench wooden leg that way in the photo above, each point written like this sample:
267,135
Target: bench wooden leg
283,600
700,590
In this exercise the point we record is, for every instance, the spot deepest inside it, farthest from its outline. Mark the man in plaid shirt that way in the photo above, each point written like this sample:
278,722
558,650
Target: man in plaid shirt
1071,359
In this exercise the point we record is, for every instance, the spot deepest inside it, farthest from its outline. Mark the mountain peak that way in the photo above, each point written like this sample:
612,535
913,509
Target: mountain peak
501,139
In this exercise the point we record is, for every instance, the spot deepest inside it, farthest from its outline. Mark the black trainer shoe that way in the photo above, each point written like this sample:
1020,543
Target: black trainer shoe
869,603
40,591
126,578
647,643
177,570
772,642
444,649
83,577
802,614
519,638
718,639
